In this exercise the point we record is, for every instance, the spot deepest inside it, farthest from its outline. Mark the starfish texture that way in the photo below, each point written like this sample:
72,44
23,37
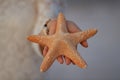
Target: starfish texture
62,43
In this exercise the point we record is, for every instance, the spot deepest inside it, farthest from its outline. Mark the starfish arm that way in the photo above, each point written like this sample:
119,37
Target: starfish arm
73,54
61,24
42,40
48,60
82,36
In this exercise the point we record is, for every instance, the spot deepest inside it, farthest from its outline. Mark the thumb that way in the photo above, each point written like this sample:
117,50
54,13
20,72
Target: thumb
52,27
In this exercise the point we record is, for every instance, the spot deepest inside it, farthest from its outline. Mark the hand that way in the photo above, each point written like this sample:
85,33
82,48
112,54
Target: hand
72,28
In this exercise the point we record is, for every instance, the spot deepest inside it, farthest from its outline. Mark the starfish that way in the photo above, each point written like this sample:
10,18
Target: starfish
62,43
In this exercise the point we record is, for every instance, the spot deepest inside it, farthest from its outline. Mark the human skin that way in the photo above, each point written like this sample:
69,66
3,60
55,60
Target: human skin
72,28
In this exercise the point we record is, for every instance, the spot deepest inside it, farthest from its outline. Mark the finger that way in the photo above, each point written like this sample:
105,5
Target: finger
52,27
72,27
73,63
45,50
84,44
67,61
60,59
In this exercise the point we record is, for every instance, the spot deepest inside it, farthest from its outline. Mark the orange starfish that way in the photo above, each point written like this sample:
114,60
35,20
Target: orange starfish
62,43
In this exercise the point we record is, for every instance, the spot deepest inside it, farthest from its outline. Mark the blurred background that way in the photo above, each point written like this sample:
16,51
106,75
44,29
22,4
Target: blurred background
18,61
103,53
